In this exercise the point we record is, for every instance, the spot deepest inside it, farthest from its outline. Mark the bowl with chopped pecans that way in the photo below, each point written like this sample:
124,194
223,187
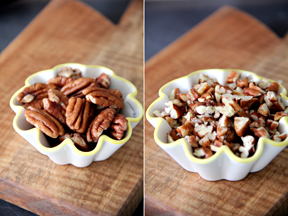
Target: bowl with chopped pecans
221,123
76,114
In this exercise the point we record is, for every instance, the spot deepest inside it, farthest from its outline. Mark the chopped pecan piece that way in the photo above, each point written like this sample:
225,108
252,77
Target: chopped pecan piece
70,73
279,115
203,152
172,122
273,87
100,123
193,95
242,83
241,125
201,88
118,126
248,148
261,132
103,80
44,122
173,136
79,112
251,91
263,109
233,77
279,137
185,129
104,97
192,140
77,139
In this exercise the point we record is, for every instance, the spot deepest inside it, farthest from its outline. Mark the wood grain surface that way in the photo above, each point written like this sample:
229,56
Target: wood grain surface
70,31
227,39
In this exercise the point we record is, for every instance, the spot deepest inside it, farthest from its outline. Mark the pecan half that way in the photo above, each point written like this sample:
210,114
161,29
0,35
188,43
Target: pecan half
118,126
104,97
36,91
58,97
77,139
103,80
59,82
38,104
100,123
54,109
70,73
44,122
76,85
79,112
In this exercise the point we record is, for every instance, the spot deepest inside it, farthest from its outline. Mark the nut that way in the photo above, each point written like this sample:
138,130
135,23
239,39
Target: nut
192,140
172,122
55,110
185,129
36,91
59,82
118,126
203,152
99,124
173,136
253,86
242,83
279,115
202,129
279,137
174,94
79,112
193,95
233,77
251,91
44,122
104,97
265,83
76,85
175,111
263,109
103,80
272,125
38,104
204,142
77,139
273,87
261,132
70,73
58,97
248,142
241,125
201,88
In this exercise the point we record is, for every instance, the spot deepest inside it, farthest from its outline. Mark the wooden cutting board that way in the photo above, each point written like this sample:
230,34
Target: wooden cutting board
227,39
70,31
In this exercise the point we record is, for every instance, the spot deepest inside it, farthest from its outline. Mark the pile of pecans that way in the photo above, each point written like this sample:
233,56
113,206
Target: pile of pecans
237,114
75,107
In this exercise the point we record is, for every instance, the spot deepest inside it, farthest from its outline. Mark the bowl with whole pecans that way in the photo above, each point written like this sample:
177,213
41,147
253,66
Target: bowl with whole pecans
76,114
221,123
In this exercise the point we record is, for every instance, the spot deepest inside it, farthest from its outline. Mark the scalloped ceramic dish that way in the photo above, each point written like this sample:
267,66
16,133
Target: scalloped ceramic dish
66,152
224,164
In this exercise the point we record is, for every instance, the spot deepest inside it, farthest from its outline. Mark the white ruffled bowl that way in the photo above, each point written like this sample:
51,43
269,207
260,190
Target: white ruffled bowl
224,164
66,152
